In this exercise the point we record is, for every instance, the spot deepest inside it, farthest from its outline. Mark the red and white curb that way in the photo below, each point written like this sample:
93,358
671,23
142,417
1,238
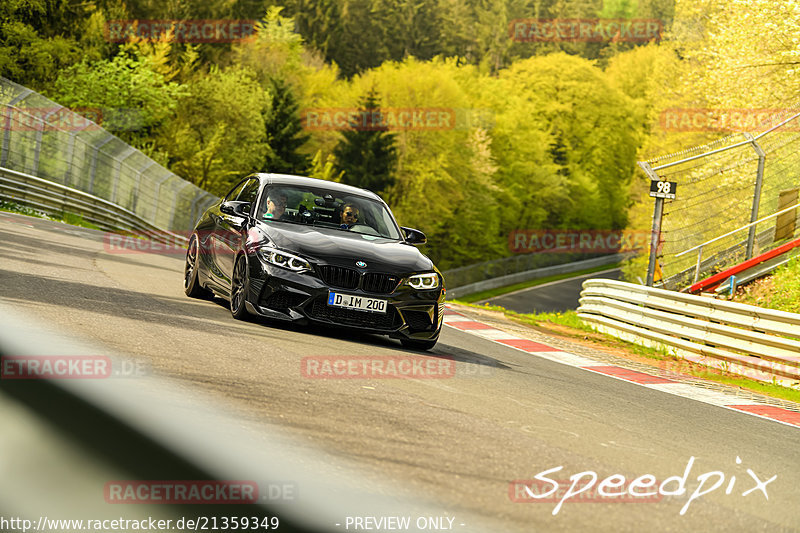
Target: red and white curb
752,407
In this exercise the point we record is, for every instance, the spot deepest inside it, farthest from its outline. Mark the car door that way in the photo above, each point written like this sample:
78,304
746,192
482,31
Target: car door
220,238
231,226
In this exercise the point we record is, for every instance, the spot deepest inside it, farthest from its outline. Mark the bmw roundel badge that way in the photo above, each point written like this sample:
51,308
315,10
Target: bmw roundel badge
361,264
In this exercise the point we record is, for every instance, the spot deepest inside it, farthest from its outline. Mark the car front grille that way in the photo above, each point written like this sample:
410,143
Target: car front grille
349,278
339,277
379,283
320,310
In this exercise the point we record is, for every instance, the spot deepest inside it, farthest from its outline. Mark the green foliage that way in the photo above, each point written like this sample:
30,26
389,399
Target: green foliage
134,99
276,52
37,39
324,168
367,157
540,139
64,216
218,134
779,291
565,144
444,179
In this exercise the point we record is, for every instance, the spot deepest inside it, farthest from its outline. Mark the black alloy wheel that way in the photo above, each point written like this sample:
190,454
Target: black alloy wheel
239,284
191,286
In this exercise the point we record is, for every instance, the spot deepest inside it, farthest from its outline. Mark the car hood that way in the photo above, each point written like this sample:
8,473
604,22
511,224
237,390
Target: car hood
344,249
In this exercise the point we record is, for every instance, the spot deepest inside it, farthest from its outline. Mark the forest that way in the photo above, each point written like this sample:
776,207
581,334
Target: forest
472,118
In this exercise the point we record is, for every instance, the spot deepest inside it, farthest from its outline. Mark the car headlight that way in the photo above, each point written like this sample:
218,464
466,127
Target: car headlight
284,259
424,281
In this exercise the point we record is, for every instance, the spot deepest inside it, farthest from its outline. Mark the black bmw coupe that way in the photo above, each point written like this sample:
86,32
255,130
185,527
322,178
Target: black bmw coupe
312,251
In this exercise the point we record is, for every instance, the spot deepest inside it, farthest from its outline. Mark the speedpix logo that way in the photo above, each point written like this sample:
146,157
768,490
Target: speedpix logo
643,488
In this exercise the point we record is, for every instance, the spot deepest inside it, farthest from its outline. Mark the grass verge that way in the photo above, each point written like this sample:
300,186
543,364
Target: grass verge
567,324
65,217
485,295
780,291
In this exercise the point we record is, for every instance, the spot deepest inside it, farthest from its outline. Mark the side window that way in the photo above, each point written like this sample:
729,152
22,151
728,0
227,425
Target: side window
249,193
235,192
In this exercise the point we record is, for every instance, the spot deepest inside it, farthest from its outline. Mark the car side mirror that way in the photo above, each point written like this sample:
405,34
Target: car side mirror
240,209
414,236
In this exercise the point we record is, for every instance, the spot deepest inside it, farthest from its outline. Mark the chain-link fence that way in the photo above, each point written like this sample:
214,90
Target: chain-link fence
724,186
44,139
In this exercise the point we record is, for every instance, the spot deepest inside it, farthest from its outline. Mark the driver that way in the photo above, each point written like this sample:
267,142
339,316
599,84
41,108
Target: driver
349,216
276,204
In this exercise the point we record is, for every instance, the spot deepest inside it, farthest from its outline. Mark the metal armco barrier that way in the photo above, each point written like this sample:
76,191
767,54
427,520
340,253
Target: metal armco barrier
50,197
757,343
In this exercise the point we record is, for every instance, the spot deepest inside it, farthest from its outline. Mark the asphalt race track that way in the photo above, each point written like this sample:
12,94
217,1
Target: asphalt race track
553,297
459,442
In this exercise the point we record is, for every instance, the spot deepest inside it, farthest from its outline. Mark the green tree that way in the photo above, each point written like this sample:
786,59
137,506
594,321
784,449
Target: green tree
135,99
324,169
367,156
444,182
277,51
566,144
218,132
38,39
284,132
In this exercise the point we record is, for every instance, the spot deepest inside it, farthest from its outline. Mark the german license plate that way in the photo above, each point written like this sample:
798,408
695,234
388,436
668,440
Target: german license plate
361,303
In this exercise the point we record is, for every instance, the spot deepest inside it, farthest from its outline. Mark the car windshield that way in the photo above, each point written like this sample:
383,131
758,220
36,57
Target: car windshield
326,208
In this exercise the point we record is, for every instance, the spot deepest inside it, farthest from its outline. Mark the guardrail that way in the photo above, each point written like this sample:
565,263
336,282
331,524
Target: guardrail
51,197
758,343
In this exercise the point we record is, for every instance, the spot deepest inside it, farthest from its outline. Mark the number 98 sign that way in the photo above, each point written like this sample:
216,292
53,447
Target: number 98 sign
663,189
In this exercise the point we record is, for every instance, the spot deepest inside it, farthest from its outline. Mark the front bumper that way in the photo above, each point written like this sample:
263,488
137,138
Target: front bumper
281,294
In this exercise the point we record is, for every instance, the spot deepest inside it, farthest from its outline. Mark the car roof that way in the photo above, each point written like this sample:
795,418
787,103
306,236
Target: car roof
288,179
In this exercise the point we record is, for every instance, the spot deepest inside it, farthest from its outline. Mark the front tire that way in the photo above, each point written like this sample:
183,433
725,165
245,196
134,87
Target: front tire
239,283
191,285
